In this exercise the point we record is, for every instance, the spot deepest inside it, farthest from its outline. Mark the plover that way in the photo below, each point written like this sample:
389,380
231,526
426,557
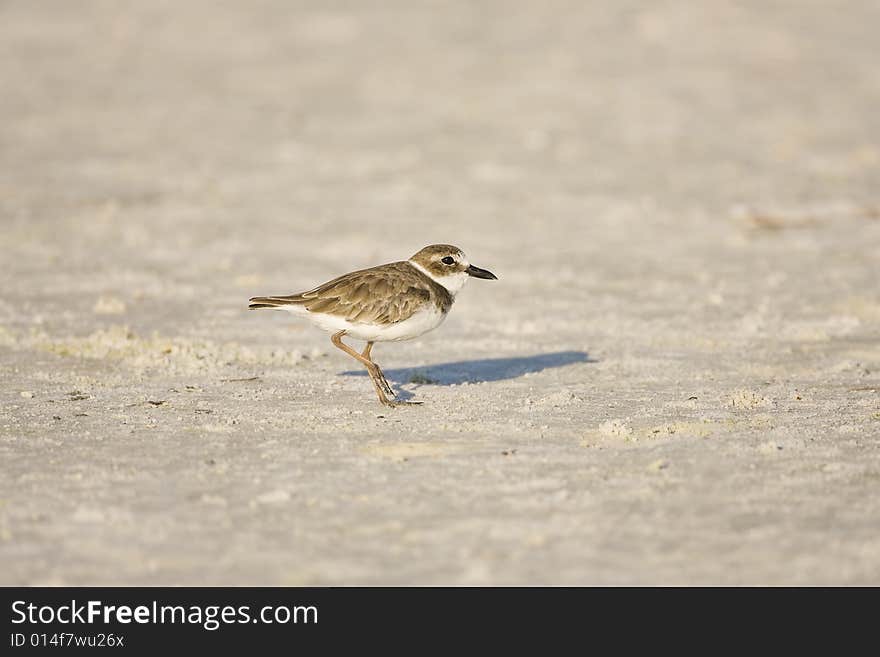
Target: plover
388,303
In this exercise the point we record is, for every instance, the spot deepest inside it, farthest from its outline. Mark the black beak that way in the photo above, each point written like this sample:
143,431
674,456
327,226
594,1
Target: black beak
476,272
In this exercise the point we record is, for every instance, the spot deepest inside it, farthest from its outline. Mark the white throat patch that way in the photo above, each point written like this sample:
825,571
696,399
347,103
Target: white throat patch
452,283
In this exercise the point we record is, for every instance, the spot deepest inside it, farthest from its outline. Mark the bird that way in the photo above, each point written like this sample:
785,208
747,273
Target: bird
387,303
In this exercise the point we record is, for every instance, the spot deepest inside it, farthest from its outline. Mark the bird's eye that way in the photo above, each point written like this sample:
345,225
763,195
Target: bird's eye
448,260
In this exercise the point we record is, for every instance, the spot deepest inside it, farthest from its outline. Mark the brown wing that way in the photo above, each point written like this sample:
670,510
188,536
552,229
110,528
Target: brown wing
384,294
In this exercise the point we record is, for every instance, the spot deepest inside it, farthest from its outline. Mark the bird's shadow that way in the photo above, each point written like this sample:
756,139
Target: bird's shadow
476,371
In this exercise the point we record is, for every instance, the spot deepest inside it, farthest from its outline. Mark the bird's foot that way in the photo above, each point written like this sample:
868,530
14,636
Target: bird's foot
394,403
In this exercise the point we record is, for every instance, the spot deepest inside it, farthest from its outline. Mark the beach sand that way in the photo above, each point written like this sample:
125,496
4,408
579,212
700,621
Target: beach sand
676,379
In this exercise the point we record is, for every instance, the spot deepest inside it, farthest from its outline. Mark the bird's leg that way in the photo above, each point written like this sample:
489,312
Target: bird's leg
336,339
379,374
380,392
380,380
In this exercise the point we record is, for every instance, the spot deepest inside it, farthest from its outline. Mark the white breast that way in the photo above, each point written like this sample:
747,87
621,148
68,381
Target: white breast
421,322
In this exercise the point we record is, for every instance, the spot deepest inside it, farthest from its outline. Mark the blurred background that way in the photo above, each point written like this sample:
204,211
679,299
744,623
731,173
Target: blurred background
230,135
683,194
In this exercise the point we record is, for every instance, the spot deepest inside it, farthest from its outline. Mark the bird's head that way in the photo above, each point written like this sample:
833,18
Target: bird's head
448,266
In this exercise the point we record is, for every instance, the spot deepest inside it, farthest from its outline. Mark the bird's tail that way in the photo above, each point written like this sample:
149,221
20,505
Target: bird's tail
274,302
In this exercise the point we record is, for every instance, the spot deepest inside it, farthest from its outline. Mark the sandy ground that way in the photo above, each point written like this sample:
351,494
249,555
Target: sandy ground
675,380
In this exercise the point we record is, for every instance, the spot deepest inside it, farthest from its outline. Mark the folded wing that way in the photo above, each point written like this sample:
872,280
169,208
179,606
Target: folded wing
380,295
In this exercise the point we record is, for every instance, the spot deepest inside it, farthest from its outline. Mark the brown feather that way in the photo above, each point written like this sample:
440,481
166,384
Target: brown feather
385,294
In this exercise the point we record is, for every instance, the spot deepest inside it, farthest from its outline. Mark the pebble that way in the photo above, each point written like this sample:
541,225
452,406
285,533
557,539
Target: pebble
659,464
